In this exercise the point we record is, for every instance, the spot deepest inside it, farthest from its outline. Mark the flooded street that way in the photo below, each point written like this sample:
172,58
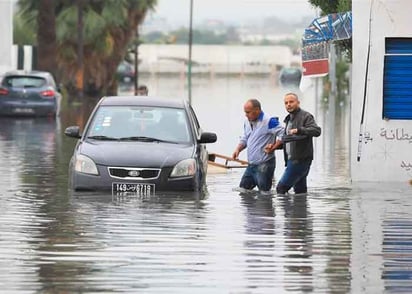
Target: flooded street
341,238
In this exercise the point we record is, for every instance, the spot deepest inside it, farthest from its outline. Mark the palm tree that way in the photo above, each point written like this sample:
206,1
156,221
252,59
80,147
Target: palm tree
109,26
40,15
46,36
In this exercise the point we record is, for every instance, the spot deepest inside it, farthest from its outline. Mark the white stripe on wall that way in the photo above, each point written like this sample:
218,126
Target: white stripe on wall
14,53
28,58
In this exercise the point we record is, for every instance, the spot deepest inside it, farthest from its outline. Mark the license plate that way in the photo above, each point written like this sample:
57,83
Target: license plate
133,188
23,110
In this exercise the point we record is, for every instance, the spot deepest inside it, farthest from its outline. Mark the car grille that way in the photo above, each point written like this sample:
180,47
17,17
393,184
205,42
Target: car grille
134,173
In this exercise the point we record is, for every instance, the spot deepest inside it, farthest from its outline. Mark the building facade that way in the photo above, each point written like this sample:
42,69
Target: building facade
6,24
381,110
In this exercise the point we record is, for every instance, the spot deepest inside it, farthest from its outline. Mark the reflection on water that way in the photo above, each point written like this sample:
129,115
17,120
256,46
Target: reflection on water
340,238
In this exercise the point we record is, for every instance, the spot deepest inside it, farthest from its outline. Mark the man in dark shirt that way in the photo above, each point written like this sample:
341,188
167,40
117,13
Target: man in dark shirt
300,128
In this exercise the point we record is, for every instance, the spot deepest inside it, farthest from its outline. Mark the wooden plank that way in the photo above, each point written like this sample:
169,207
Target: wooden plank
226,161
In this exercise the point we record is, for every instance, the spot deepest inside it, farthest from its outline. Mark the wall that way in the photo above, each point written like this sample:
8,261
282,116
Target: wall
6,25
383,157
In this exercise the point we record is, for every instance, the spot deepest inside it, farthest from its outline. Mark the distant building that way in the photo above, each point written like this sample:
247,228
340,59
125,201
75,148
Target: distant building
255,38
214,59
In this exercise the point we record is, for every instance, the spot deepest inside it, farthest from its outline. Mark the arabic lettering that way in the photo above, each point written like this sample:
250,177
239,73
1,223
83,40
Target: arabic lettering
398,134
367,137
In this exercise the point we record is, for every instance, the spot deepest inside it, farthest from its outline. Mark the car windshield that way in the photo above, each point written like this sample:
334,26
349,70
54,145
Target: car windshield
138,123
24,82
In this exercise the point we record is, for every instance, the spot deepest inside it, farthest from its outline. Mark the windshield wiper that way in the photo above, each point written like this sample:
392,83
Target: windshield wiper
103,138
145,139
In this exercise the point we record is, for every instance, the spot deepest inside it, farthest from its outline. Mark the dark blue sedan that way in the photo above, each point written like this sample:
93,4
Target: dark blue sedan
33,93
140,145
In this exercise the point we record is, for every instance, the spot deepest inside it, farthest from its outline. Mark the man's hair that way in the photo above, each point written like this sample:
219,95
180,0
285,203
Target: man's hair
143,90
255,103
292,94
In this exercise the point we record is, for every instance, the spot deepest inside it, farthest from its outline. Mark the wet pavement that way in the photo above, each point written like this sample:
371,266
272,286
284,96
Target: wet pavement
341,238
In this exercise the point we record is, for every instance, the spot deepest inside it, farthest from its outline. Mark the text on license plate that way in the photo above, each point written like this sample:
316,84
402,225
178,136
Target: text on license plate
139,189
24,110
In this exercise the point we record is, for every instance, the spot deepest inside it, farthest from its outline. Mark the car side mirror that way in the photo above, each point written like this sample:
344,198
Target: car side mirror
208,137
73,131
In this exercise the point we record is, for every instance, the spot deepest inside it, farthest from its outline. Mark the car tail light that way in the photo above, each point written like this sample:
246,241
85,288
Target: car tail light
47,93
3,91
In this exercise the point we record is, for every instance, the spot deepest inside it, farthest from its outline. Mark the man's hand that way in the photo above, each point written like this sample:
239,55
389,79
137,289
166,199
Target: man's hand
235,154
293,131
269,148
238,149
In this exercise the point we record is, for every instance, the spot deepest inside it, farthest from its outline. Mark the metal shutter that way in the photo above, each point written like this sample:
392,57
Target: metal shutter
397,79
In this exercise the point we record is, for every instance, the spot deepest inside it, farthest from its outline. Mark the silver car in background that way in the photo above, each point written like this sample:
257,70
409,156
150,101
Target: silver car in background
29,93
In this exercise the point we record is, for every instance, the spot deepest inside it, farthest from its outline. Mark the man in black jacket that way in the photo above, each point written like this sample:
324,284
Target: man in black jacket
300,127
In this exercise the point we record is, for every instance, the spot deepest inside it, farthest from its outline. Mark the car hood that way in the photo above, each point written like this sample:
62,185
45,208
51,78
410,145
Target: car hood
140,154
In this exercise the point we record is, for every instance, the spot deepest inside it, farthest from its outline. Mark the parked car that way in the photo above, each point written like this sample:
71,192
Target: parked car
32,93
125,72
140,145
290,76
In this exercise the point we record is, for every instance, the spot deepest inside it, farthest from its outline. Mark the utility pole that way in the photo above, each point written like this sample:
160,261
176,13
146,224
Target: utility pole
80,53
136,62
332,94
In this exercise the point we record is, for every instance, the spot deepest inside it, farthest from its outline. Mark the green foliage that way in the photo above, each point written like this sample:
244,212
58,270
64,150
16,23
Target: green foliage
181,36
156,37
342,80
344,5
332,6
265,42
108,27
210,37
23,32
324,5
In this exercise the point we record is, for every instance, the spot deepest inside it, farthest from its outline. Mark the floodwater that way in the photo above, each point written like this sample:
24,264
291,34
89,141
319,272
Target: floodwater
340,238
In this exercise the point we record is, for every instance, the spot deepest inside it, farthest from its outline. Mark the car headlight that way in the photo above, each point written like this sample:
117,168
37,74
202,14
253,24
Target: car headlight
85,165
184,168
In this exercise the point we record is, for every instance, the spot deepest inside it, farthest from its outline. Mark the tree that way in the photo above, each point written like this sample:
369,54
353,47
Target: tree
46,37
155,37
39,17
109,26
23,33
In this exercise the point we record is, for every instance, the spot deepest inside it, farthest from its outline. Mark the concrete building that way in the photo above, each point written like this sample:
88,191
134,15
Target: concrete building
381,129
6,24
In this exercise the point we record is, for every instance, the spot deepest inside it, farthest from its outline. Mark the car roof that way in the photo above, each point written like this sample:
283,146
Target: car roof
143,101
36,73
291,69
